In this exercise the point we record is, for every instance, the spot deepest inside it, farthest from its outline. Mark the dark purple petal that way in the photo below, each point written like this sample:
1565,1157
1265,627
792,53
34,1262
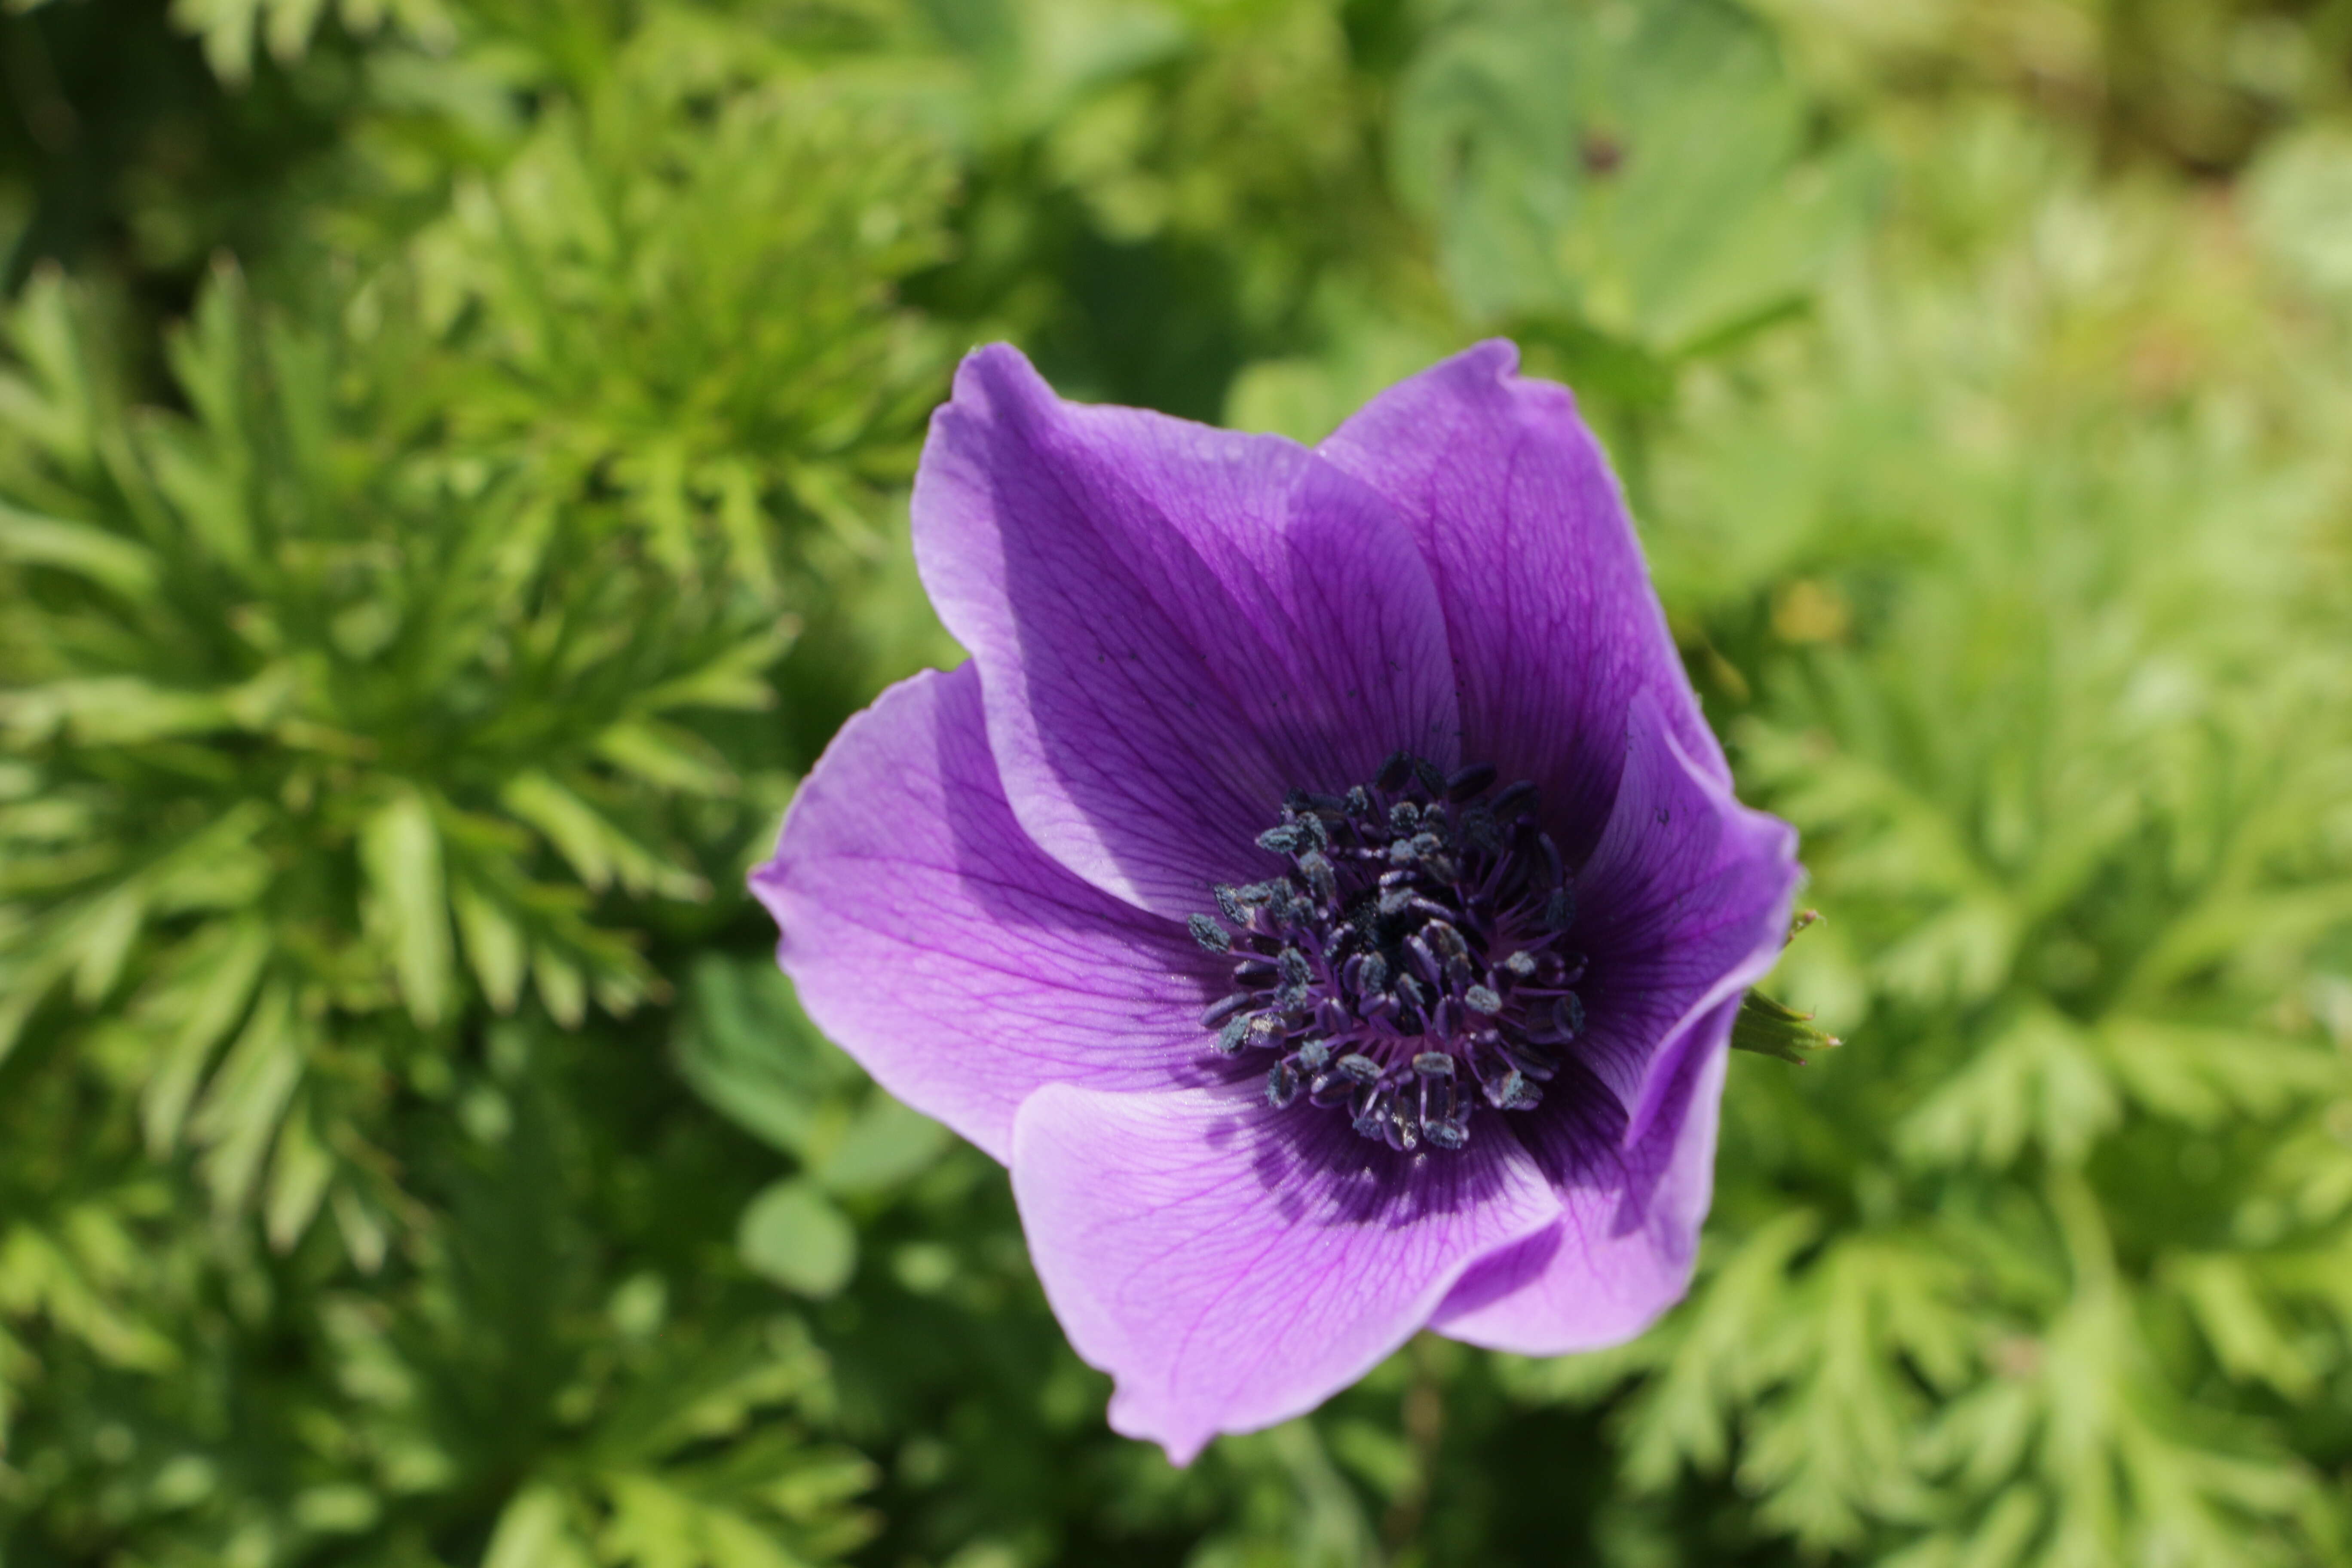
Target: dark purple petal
1623,1250
956,960
1548,609
1684,905
1233,1266
1174,626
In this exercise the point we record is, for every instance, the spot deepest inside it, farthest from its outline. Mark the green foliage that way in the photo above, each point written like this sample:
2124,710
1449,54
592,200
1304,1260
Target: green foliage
305,720
452,472
1636,169
683,288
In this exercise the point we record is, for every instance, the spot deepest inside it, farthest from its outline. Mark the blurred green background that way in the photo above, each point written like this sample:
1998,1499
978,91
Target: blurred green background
453,470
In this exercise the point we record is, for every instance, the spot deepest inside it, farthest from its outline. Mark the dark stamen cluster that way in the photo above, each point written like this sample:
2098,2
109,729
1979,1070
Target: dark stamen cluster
1413,959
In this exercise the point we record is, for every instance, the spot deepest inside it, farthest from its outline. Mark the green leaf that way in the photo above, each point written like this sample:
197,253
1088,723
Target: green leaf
792,1235
597,849
299,1173
534,1530
199,1004
245,1101
400,849
666,756
1638,168
494,945
746,1047
886,1146
104,558
736,679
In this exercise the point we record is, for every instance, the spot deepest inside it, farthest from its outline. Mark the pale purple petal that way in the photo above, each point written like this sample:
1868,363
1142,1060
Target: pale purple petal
1623,1250
1548,609
1231,1267
955,959
1174,626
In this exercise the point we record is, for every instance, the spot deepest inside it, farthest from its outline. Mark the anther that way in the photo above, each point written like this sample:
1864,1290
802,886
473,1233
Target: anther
1447,1134
1219,1011
1524,1055
1568,1015
1514,800
1320,879
1405,964
1465,782
1514,1093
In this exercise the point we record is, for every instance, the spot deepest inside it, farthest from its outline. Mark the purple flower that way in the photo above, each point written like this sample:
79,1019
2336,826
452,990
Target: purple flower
1320,888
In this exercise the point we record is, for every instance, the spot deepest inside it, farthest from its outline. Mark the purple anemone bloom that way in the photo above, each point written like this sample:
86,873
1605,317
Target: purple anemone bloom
1320,888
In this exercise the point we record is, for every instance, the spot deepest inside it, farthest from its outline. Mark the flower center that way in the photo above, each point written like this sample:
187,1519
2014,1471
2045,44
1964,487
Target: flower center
1411,961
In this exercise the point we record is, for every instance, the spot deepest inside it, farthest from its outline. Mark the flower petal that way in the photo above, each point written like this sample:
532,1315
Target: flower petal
1549,608
1231,1267
1174,626
954,959
1623,1251
1682,906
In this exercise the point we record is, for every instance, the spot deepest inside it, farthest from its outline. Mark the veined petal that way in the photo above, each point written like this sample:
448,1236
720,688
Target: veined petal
1231,1267
1548,609
956,960
1623,1250
1174,626
1682,906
